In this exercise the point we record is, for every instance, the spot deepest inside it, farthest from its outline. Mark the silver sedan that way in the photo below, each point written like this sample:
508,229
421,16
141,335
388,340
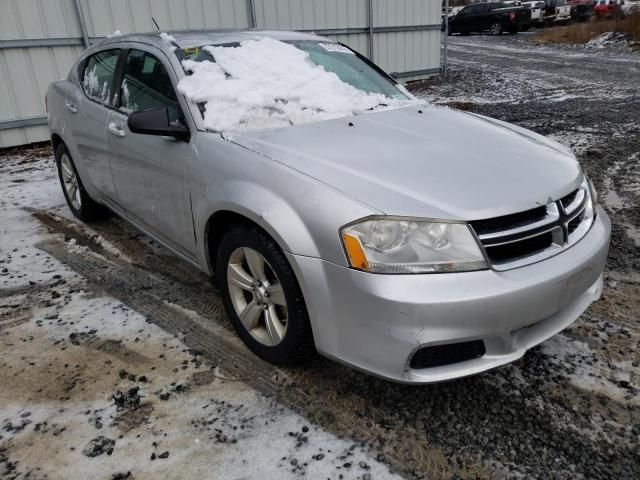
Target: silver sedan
414,242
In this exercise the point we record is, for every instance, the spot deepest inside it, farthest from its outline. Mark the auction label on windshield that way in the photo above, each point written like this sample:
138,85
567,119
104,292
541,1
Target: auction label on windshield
335,47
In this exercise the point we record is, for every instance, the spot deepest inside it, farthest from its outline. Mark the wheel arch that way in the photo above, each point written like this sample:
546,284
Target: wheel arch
221,221
56,141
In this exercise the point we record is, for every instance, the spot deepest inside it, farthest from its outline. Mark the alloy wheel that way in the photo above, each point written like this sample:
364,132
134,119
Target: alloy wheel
70,181
257,296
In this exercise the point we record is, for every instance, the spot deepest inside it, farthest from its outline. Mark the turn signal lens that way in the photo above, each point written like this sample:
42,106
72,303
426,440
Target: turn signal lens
355,252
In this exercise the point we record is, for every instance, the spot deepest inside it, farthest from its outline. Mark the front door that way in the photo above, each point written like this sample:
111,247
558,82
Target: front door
151,173
462,22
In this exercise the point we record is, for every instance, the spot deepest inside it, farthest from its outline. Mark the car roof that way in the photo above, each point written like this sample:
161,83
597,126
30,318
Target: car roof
186,39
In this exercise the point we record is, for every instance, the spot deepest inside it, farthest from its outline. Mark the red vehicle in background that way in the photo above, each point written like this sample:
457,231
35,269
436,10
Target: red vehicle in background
608,8
581,10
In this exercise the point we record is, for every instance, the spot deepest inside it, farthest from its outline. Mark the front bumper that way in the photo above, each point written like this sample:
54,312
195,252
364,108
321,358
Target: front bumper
377,322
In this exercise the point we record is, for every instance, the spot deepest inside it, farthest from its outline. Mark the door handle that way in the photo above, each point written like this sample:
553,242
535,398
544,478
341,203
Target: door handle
71,107
116,130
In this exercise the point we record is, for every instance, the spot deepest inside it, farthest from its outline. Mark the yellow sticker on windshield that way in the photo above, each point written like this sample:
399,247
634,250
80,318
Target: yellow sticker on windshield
191,51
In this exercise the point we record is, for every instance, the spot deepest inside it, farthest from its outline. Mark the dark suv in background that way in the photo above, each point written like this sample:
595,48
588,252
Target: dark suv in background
495,17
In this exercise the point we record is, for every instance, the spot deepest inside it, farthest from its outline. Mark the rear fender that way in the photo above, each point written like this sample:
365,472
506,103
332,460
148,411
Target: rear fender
58,95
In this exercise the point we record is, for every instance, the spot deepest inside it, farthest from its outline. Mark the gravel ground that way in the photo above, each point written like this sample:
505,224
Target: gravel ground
168,391
588,100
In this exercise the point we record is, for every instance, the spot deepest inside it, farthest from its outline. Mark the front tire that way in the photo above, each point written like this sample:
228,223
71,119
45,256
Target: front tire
78,200
262,297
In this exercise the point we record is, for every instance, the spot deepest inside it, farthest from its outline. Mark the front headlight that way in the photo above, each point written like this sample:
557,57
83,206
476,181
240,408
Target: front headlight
399,245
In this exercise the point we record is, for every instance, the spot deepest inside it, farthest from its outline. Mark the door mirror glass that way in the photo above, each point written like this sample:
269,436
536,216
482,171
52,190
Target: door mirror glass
156,122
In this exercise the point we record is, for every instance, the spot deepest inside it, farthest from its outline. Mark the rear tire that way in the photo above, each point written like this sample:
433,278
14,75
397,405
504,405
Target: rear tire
258,284
496,28
78,200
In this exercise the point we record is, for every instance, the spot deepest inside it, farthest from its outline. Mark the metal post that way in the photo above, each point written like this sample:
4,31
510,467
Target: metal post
446,37
370,39
251,7
83,27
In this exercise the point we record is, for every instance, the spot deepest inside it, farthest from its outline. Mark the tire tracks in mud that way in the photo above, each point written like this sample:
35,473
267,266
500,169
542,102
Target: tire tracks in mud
180,300
461,429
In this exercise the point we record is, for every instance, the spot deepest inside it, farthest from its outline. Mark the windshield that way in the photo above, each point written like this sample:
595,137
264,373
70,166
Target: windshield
350,68
268,83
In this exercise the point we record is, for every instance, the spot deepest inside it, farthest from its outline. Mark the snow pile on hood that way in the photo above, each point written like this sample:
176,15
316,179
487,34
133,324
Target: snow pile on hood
268,83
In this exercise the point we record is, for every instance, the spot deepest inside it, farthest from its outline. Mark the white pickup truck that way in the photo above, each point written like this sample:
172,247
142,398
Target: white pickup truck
557,12
629,7
537,12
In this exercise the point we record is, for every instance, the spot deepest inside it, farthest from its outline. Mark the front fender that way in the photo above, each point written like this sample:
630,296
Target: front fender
266,209
301,214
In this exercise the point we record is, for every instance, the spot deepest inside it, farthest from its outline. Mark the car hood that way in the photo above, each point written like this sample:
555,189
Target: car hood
425,161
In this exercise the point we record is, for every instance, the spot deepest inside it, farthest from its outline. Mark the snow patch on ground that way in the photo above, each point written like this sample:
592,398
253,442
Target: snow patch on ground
578,140
267,83
584,374
611,40
66,350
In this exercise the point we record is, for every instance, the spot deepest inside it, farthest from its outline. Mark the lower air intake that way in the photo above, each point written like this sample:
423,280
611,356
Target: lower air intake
440,355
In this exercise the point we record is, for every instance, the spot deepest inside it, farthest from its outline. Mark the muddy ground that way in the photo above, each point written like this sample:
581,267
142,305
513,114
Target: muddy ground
116,360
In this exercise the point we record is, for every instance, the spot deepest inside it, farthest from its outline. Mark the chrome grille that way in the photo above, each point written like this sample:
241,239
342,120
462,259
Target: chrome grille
527,237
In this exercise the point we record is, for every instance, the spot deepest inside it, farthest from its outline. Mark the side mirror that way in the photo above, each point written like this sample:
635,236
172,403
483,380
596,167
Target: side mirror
156,122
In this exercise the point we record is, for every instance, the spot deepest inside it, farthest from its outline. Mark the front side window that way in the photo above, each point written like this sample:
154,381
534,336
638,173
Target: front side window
146,85
98,76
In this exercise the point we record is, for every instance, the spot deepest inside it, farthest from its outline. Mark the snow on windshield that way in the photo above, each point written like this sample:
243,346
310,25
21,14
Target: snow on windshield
267,83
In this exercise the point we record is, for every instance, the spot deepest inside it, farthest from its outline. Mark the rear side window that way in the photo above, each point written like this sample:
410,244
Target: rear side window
481,8
146,85
98,76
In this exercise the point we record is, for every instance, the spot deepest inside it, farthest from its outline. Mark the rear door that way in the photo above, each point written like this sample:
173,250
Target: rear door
480,18
87,112
151,173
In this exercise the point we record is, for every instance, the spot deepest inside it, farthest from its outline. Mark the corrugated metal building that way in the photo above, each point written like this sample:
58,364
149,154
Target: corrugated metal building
39,39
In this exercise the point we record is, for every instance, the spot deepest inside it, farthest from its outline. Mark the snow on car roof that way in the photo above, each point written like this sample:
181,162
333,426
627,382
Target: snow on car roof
192,39
212,37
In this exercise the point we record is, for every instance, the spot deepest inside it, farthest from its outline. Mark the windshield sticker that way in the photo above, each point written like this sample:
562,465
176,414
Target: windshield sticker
190,51
335,47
